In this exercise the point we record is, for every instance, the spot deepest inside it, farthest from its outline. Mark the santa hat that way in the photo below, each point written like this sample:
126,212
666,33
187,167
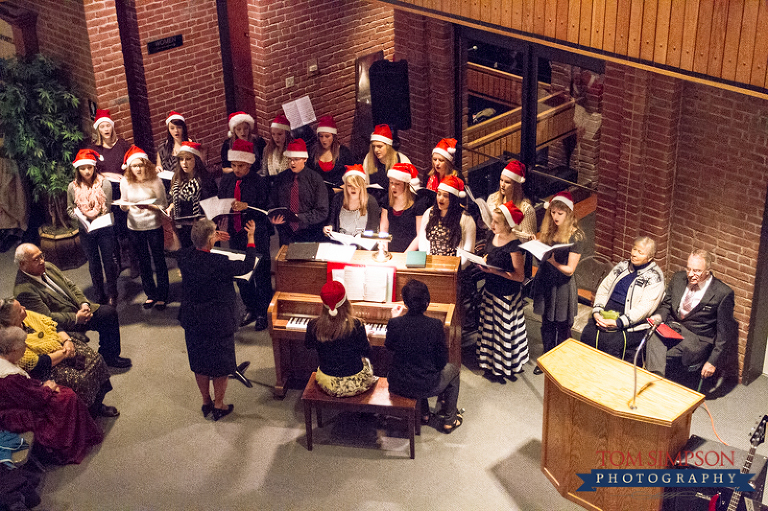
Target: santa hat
242,150
514,171
102,116
406,173
133,153
565,197
173,116
326,124
192,147
354,170
86,157
333,295
446,148
239,118
296,149
454,185
512,213
281,122
382,133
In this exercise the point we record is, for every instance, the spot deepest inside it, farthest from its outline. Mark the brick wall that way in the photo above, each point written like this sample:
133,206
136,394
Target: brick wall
187,79
686,164
427,44
63,34
287,34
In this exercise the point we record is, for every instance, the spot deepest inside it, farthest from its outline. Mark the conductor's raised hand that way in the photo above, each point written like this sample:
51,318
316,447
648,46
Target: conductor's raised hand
277,219
221,235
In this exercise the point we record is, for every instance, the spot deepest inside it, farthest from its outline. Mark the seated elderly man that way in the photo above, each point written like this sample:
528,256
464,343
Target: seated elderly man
43,288
626,296
700,308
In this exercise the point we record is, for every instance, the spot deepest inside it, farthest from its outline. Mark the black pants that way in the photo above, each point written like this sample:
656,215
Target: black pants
104,321
554,332
447,391
257,292
146,242
99,248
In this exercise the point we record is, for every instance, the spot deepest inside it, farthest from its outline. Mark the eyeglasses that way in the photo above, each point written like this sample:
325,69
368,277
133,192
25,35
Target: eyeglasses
695,272
38,257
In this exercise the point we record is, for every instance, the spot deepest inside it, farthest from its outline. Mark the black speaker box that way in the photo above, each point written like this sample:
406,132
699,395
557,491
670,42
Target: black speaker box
390,94
695,499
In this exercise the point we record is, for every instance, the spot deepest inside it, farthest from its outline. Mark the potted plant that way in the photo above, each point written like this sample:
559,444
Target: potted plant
40,117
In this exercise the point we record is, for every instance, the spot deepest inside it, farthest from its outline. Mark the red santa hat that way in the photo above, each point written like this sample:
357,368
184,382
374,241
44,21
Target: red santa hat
133,153
281,122
354,170
565,197
326,124
86,157
454,185
102,116
333,296
512,213
514,171
406,173
446,148
242,150
237,118
173,116
382,133
192,147
296,149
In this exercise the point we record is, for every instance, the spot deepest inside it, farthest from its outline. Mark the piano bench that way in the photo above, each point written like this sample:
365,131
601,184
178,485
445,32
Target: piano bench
375,400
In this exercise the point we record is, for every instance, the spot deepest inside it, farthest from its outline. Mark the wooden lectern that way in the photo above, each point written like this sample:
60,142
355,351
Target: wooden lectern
586,411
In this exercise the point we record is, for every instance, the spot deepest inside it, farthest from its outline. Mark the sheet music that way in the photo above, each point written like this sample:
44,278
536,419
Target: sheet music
214,207
121,202
111,176
367,283
97,223
348,239
236,256
299,112
335,253
376,284
165,174
542,250
469,256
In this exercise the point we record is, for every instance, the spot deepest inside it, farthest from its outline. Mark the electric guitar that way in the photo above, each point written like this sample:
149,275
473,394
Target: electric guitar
718,502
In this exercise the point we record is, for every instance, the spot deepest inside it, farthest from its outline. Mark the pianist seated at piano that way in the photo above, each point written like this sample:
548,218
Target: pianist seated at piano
342,345
354,210
420,367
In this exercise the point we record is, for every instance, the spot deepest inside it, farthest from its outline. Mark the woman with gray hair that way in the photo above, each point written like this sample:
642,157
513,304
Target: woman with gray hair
624,299
64,431
208,310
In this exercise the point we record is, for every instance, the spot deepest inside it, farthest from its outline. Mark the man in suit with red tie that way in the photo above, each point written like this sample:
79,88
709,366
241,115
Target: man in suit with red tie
700,307
43,288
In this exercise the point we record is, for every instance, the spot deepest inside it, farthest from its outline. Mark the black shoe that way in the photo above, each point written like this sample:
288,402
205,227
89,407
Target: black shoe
149,304
537,370
108,411
207,409
261,324
249,318
119,362
161,305
219,413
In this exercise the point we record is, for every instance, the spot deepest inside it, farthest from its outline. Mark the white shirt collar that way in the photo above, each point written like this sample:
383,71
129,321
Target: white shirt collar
7,369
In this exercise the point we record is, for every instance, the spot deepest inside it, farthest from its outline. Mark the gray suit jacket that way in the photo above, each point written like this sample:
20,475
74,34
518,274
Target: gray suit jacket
37,297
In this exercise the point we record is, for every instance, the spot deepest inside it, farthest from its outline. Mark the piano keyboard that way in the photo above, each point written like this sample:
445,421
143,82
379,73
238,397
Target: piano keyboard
299,324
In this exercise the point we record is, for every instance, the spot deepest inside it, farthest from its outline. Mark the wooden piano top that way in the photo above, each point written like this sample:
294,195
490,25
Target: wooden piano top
440,274
284,306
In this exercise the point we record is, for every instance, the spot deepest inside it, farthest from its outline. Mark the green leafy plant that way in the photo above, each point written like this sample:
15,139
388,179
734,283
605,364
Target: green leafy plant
40,117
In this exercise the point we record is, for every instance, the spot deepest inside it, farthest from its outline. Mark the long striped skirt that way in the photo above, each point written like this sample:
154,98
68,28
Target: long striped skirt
503,344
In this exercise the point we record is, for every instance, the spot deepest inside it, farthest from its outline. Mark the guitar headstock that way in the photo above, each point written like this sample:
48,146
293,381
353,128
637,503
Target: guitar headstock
758,432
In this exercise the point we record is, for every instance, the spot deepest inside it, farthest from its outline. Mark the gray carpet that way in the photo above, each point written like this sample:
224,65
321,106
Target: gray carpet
160,454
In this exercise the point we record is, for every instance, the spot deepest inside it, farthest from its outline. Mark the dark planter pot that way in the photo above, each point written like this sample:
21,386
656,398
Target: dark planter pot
62,249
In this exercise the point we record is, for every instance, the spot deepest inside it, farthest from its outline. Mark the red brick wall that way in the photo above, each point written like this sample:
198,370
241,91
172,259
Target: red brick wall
686,164
187,79
63,34
427,45
287,34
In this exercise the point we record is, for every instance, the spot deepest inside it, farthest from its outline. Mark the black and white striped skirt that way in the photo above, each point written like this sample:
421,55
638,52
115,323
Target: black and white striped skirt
503,344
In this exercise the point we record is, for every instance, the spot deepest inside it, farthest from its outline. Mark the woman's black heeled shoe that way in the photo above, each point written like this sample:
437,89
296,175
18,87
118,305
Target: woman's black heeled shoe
537,370
207,409
219,413
149,304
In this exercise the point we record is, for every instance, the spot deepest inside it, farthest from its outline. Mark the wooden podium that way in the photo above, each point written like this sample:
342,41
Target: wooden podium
586,410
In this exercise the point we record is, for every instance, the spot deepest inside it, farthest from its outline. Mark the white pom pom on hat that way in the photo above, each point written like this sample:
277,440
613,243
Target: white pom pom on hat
565,197
446,148
453,185
333,296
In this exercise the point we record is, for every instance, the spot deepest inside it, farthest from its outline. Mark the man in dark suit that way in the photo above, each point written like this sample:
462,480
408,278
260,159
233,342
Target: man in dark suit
700,307
43,288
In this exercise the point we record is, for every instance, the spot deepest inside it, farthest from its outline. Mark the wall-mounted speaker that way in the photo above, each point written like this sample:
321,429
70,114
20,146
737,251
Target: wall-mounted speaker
390,94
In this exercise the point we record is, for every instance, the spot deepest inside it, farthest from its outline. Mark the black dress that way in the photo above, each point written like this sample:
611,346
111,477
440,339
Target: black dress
402,226
207,311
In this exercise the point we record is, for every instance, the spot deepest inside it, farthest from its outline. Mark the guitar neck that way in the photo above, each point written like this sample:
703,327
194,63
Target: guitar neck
733,504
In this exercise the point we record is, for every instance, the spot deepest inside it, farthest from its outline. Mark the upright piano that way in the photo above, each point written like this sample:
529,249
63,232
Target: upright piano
296,300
